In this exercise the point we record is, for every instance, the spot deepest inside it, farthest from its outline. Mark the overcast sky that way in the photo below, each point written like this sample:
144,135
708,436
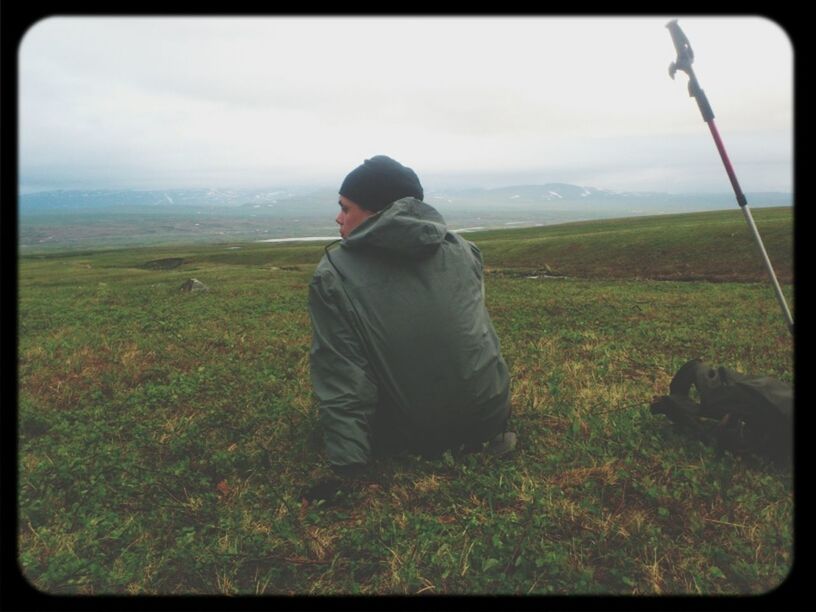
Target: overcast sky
173,102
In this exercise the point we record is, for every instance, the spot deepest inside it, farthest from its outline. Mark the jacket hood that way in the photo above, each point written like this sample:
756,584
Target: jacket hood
408,227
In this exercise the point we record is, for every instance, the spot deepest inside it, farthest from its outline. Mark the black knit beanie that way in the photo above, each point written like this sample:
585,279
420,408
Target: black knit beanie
378,181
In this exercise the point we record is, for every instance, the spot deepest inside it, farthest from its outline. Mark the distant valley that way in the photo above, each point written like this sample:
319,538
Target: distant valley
109,218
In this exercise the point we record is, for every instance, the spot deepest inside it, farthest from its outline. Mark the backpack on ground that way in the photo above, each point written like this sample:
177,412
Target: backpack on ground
737,412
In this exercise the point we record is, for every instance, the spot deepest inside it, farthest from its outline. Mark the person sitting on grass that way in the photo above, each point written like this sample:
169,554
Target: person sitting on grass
404,356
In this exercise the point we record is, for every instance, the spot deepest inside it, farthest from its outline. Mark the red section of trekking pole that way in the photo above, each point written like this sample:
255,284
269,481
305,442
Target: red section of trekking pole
741,200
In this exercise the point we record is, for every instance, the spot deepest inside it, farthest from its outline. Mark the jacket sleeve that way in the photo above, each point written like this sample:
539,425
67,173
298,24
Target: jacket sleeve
340,374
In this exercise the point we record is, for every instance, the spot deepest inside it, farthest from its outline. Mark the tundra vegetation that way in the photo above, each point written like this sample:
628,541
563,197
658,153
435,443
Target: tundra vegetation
164,436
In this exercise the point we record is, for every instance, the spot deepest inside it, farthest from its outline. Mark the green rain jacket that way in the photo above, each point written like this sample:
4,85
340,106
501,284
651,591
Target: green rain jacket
404,356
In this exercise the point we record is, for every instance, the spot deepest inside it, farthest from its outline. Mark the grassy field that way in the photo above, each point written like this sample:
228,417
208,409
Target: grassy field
164,436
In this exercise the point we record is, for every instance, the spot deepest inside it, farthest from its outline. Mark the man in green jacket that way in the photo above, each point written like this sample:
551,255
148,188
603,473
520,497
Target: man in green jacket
404,356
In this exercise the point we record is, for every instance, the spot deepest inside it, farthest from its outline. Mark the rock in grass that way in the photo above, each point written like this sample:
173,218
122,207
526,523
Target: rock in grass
194,285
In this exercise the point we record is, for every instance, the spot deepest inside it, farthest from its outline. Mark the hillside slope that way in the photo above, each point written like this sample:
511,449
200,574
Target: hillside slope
714,246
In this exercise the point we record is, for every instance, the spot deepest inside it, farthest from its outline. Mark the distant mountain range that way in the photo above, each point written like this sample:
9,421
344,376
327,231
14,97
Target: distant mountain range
566,194
66,200
73,219
305,202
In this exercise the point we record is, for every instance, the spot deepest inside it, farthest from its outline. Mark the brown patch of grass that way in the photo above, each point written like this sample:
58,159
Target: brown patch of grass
605,474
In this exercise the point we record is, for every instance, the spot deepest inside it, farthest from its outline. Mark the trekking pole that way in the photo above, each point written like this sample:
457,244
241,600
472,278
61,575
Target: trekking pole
685,56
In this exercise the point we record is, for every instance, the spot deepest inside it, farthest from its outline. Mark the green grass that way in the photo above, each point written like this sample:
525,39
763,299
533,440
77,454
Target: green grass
712,246
165,436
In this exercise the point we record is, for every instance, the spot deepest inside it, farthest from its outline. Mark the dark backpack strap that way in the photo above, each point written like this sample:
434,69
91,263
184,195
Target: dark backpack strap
705,379
683,414
677,408
717,391
685,377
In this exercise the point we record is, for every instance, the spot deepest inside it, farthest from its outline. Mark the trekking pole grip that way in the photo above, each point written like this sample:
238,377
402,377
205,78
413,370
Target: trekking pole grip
685,57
